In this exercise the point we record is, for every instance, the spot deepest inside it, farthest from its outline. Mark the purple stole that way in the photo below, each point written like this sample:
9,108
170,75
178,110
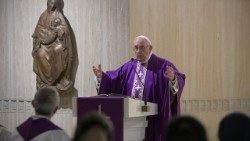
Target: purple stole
139,80
34,127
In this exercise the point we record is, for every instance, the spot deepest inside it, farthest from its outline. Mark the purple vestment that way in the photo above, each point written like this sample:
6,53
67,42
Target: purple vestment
34,127
156,90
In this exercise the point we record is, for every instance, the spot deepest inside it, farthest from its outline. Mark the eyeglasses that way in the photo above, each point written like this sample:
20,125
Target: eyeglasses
137,48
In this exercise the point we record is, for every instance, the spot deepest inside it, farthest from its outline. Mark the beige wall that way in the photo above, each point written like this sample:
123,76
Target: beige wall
101,29
208,40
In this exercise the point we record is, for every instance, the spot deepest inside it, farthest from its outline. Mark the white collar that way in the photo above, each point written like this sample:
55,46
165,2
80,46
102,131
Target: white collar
39,116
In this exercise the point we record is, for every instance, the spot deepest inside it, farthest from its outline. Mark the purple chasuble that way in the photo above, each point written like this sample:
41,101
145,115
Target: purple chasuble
34,127
156,90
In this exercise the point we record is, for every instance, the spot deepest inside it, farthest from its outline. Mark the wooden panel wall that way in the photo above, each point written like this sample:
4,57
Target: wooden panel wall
101,30
208,40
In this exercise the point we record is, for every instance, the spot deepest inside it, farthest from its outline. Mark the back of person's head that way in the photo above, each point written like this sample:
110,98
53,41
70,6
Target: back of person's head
235,127
185,128
94,127
46,101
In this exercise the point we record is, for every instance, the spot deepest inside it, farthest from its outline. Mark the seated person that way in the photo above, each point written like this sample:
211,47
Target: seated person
185,129
39,127
235,127
94,127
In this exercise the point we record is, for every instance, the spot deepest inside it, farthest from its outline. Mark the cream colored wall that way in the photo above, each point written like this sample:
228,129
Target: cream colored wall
101,29
208,40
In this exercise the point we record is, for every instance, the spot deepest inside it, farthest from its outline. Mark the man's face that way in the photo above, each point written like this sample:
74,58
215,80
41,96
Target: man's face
51,5
142,49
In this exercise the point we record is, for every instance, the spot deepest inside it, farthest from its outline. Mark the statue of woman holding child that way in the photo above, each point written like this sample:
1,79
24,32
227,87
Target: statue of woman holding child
52,49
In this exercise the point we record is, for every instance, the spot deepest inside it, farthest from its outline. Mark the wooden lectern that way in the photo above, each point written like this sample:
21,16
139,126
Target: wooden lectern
128,115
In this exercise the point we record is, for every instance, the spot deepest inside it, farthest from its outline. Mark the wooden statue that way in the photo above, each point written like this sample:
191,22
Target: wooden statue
52,49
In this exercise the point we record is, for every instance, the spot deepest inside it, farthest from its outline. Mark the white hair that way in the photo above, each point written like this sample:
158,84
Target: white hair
45,101
145,38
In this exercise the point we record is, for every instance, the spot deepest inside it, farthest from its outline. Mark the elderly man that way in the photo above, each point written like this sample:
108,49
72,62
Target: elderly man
39,127
149,78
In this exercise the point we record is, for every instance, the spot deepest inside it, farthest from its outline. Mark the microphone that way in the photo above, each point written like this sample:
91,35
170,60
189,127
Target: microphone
145,107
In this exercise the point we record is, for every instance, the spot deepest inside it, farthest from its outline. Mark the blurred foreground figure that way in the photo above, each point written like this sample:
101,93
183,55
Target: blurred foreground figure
185,129
94,127
235,127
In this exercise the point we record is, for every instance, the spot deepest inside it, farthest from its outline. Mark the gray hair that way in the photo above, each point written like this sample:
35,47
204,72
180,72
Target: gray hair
45,101
145,38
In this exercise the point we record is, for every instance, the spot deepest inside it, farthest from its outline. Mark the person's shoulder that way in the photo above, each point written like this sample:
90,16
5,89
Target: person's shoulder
52,135
57,135
158,61
15,136
127,65
163,60
4,130
129,62
159,58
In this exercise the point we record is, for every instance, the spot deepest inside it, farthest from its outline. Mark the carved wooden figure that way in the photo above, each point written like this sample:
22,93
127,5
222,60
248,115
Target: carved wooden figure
52,49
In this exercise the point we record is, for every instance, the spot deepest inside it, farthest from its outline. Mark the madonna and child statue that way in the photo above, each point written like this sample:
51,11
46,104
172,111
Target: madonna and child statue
52,49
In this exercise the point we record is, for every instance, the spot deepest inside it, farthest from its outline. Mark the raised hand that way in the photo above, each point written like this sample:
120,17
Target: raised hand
169,73
97,71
